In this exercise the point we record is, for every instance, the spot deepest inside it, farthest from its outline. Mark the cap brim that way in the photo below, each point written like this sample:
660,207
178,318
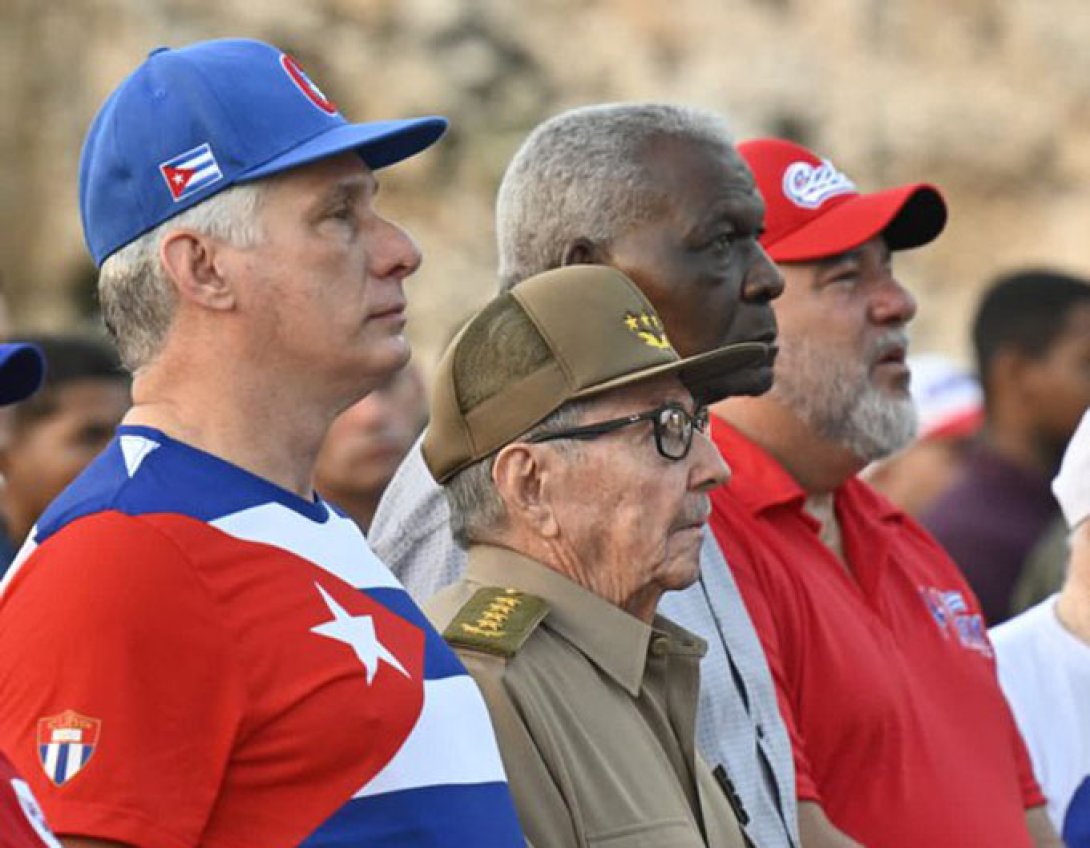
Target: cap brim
695,372
379,143
908,216
22,368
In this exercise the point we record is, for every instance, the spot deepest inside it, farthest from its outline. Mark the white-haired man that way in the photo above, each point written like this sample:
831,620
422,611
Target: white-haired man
196,650
658,191
877,645
567,434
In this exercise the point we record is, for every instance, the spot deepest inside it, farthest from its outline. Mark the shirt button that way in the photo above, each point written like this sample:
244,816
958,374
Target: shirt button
660,646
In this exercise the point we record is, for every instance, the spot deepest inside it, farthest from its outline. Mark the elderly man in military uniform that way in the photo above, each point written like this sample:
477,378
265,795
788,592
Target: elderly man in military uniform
568,435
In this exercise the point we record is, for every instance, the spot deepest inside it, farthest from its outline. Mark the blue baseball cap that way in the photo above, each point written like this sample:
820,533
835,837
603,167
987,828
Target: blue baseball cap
22,368
190,122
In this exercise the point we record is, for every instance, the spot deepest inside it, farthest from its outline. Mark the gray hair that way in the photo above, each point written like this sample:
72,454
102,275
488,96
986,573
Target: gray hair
477,511
585,174
137,298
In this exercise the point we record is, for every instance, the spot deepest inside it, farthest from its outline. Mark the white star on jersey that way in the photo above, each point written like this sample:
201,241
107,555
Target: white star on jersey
357,631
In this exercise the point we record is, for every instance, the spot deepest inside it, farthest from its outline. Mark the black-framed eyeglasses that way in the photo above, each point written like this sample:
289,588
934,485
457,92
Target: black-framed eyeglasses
674,426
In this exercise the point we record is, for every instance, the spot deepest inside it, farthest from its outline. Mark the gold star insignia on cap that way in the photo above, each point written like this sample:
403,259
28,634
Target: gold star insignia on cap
648,328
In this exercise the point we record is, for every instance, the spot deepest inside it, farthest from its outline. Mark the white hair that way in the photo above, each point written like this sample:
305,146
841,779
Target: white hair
137,298
586,173
477,512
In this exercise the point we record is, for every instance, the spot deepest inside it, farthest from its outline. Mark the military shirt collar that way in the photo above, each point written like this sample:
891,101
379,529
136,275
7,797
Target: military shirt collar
614,640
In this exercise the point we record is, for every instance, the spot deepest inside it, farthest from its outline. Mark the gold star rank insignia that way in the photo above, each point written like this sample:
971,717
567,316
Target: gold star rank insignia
648,328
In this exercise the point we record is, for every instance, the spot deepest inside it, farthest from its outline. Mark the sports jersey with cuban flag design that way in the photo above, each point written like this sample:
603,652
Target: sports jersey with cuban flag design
192,656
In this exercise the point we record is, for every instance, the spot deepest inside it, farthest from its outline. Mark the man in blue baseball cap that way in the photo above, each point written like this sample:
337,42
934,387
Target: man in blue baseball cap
197,650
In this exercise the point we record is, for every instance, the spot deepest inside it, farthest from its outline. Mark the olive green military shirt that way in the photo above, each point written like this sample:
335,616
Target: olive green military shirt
594,709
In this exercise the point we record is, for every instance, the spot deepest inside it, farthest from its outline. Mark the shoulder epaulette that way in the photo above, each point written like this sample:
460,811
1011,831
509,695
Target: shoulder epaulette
496,621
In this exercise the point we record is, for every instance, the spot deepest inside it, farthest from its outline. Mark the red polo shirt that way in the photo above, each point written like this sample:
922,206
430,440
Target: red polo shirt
886,681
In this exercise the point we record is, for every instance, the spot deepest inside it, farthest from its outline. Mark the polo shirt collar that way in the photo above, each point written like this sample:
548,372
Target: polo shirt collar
757,479
611,638
760,482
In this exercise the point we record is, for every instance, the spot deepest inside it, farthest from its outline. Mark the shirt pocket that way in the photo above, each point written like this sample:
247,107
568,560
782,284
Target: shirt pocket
668,833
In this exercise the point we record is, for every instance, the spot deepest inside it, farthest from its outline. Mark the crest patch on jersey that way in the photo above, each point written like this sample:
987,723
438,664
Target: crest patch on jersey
66,742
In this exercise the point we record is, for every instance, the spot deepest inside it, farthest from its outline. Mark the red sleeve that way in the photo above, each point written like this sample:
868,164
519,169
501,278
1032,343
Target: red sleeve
107,629
1032,796
755,583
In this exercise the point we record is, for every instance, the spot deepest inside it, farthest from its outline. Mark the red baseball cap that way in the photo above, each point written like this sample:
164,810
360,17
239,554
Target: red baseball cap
814,211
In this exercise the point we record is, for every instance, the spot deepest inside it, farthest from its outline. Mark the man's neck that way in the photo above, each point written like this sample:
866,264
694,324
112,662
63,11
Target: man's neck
610,584
259,427
361,508
816,464
1073,606
18,520
1014,436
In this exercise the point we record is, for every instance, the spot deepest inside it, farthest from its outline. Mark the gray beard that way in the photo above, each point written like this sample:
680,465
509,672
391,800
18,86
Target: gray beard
835,398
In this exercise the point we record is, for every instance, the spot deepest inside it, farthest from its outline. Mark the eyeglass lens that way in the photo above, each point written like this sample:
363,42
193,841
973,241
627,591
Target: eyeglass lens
674,430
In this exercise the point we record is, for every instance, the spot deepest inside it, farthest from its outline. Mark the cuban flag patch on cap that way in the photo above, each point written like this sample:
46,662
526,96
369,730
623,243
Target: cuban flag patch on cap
66,742
189,172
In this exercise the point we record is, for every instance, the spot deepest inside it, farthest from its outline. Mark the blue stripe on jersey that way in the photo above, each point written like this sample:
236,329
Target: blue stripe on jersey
439,660
175,478
471,815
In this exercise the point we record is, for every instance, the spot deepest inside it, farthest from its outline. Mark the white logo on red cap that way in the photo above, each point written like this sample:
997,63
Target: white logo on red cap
808,186
306,85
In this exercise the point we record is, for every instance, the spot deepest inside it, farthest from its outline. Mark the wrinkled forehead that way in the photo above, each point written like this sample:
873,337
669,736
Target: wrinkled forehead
665,154
684,173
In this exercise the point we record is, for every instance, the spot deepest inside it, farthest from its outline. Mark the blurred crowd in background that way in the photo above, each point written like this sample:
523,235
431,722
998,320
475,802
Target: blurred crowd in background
1000,355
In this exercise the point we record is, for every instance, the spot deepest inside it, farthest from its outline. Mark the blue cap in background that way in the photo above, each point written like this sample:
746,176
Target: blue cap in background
22,368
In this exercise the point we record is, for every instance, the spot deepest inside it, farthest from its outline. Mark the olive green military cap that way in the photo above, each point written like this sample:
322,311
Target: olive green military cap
564,335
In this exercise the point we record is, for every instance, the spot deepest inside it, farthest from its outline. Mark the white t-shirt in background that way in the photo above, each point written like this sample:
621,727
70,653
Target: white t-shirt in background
1045,673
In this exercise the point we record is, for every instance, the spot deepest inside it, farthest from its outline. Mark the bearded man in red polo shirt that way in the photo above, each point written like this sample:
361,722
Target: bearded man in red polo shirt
884,671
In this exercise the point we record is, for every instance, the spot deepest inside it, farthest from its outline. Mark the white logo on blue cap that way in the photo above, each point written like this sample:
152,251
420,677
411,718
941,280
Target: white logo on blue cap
189,172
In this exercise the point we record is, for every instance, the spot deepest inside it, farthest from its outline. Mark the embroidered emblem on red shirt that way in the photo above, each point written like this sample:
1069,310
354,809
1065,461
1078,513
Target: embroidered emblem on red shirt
66,742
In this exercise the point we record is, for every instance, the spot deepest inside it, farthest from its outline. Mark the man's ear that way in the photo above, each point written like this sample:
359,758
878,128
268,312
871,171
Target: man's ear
1008,370
8,440
191,262
520,474
584,251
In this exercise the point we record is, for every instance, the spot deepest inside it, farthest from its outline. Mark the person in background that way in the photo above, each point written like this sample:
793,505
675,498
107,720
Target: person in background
949,412
1031,336
196,649
1043,657
886,677
656,190
22,823
566,432
366,443
57,432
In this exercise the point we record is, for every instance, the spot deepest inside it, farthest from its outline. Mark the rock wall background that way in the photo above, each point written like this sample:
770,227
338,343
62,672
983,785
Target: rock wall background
988,98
